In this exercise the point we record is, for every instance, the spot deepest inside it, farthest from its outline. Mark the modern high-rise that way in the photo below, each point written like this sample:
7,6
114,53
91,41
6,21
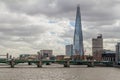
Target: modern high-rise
117,59
69,50
78,36
97,47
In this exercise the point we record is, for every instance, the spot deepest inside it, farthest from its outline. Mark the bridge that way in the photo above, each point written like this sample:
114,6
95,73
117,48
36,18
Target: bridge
65,63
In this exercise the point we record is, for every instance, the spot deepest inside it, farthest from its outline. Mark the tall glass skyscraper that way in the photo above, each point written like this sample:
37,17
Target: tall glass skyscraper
78,37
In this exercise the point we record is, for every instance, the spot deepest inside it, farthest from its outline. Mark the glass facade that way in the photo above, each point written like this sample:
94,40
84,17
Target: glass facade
78,37
118,53
69,50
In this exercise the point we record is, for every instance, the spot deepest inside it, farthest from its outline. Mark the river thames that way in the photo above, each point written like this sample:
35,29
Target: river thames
57,72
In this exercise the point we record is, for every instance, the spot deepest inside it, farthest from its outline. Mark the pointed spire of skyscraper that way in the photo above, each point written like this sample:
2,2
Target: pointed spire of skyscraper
78,36
78,12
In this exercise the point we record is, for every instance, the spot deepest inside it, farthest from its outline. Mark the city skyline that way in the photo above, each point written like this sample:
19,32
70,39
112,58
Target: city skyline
28,26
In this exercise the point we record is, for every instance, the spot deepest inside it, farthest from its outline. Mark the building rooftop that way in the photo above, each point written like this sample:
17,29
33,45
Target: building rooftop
109,52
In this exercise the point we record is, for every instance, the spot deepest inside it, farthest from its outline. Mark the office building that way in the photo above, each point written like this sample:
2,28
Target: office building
97,47
69,50
117,57
78,36
108,55
46,53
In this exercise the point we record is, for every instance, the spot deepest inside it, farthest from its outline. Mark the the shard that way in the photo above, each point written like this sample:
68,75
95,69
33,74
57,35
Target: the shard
78,36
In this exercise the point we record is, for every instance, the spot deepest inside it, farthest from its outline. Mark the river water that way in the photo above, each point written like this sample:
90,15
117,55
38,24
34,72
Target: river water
57,72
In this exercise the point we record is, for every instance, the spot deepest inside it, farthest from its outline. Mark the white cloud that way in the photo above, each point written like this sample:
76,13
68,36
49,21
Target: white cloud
30,25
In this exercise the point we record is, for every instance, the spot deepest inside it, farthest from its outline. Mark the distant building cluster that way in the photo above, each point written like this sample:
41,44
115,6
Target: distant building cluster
100,54
43,54
28,57
75,51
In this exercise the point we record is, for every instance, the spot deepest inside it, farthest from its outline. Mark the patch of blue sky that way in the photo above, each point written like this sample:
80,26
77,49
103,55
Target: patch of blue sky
52,32
51,21
65,42
72,23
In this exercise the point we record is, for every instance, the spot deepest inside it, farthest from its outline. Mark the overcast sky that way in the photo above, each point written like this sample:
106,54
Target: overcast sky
27,26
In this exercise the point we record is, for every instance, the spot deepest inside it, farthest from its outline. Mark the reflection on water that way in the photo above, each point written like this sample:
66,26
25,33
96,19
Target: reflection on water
57,72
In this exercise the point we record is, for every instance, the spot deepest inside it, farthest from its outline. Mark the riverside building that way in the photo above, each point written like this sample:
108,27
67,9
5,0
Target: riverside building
117,58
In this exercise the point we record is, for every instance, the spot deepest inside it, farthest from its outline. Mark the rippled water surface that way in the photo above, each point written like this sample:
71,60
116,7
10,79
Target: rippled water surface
57,72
